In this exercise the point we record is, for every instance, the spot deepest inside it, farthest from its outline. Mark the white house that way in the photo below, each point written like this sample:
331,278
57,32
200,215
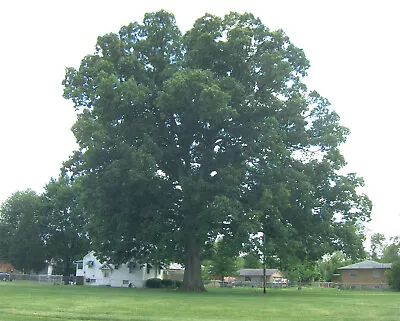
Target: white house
93,272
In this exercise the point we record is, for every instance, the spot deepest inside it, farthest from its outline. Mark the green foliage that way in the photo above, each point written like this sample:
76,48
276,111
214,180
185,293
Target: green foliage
51,227
186,138
65,224
391,252
169,284
394,276
22,234
223,261
330,264
350,240
178,283
154,283
252,261
303,272
378,245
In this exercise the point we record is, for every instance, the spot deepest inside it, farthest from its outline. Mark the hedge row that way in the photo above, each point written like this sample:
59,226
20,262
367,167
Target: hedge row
158,283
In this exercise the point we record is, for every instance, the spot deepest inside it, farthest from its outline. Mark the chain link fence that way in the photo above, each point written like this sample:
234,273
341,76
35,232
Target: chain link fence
37,278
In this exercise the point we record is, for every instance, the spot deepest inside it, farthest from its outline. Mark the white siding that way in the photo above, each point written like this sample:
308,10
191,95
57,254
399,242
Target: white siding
115,277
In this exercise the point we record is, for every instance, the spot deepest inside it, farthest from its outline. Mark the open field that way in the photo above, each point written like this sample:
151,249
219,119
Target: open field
20,302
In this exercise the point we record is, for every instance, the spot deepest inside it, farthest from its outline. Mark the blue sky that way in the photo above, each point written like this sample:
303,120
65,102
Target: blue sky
352,46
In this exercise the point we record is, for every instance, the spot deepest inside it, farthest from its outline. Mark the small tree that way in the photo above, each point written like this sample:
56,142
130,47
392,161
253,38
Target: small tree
330,264
378,246
21,231
223,262
64,224
252,261
392,251
394,276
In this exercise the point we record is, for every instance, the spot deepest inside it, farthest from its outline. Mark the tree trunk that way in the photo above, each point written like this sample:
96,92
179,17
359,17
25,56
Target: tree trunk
192,277
66,266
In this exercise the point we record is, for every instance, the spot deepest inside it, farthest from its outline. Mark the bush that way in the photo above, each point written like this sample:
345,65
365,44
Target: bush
171,284
394,276
168,283
154,283
158,283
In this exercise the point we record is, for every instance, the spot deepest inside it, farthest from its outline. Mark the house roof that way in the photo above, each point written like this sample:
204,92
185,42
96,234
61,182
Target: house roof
367,264
256,272
106,266
176,266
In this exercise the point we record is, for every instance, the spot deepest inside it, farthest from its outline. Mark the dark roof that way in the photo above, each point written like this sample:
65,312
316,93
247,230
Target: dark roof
256,272
367,264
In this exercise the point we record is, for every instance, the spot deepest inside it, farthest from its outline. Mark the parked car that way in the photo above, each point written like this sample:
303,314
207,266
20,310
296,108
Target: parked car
4,276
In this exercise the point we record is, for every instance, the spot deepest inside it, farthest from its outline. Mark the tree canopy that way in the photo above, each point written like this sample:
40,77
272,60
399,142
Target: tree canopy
36,229
188,137
21,241
394,276
222,261
64,225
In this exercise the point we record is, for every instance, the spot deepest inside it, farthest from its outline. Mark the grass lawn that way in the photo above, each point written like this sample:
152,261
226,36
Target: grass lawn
21,302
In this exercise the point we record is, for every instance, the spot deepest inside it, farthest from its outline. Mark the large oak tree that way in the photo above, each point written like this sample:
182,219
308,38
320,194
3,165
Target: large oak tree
184,138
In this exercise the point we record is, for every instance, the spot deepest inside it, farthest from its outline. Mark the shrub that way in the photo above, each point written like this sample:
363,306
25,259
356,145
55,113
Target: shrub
394,276
178,283
168,283
154,283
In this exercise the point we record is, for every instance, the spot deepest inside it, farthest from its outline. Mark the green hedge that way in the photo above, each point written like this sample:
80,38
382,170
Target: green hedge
154,283
158,283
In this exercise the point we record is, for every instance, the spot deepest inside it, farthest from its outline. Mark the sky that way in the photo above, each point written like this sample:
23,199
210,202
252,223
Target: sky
352,46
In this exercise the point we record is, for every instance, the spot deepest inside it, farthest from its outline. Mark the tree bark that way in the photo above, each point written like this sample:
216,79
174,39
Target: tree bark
192,277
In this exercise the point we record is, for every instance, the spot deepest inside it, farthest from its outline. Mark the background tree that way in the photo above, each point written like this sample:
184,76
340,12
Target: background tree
394,276
329,265
378,245
251,261
65,225
184,138
223,261
391,253
303,273
21,239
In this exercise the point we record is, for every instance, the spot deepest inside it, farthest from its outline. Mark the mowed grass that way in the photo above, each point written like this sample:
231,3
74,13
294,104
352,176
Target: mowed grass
20,301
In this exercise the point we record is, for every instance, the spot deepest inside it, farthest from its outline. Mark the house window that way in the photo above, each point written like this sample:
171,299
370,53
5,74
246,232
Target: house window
247,278
148,268
106,273
80,265
376,274
131,267
116,266
353,274
125,282
90,263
